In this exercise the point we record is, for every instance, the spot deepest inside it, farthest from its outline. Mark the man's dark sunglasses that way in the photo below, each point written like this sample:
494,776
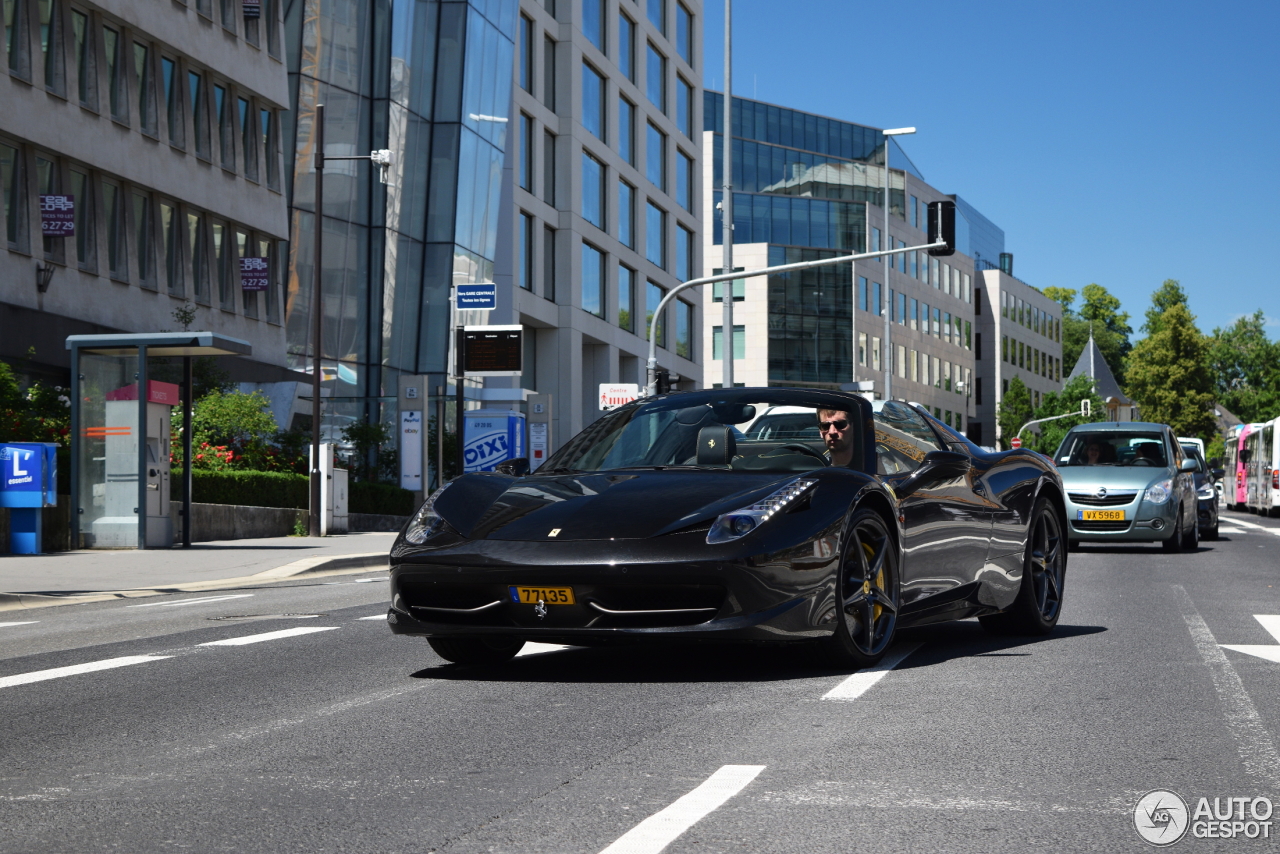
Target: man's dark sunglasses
840,424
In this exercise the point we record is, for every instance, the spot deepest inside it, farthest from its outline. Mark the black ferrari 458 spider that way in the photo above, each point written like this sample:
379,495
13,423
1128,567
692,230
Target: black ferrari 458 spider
761,514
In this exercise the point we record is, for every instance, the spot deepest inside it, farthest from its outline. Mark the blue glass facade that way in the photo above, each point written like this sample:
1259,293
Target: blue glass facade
431,81
978,237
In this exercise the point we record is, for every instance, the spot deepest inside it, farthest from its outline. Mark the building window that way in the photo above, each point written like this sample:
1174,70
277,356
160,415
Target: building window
171,244
593,191
248,140
914,316
913,365
86,245
655,235
977,346
684,329
592,280
684,107
684,180
593,111
626,130
549,168
248,299
739,286
270,148
526,54
222,266
15,31
524,268
593,22
197,252
877,298
739,342
684,33
657,11
549,73
526,152
228,10
146,89
627,48
626,298
86,78
199,114
172,102
144,239
549,263
626,213
912,210
205,7
266,249
55,75
684,254
117,248
653,297
656,79
900,358
655,157
862,348
116,82
226,148
875,353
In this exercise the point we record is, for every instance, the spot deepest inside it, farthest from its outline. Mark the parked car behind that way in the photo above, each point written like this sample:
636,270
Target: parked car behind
1206,494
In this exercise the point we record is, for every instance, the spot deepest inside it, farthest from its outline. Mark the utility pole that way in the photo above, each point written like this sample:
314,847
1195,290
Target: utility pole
317,316
726,213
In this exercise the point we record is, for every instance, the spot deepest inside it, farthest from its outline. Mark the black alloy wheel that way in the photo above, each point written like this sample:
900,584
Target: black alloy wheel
869,591
1174,543
477,652
1038,605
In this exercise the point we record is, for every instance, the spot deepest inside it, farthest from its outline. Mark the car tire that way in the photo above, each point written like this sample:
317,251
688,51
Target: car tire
1212,533
476,652
1191,538
1038,605
1174,543
868,594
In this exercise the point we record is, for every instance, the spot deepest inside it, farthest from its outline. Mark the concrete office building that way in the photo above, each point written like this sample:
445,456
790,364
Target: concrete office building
546,146
162,121
1019,334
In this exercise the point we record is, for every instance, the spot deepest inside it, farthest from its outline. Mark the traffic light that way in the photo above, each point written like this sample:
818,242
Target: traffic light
663,379
942,223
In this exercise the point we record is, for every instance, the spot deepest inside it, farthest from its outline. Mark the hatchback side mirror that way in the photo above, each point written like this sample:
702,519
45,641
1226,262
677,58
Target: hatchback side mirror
1218,473
519,467
937,467
1187,464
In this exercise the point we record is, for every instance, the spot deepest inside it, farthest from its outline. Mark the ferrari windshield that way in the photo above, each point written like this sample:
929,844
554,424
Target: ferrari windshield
1113,448
734,433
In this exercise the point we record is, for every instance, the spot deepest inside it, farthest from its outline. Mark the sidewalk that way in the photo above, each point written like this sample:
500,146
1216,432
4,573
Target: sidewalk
95,576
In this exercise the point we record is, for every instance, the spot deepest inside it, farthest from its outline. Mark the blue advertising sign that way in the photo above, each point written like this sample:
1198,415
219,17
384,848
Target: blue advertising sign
481,297
492,437
28,475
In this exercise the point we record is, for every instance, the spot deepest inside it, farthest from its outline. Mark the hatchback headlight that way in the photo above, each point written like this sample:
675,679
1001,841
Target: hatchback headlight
739,523
1206,492
426,521
1158,493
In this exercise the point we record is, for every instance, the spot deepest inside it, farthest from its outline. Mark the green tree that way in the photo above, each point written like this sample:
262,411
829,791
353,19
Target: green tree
1169,294
366,440
1168,374
1100,315
1052,433
1245,366
37,413
1013,411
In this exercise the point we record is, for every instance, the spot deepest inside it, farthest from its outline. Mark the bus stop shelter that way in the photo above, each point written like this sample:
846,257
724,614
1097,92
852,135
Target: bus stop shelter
120,435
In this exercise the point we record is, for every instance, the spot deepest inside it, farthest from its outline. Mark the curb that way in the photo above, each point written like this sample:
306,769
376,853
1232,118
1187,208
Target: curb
342,565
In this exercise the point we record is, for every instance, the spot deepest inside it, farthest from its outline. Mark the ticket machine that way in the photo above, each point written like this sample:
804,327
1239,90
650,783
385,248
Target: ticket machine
117,494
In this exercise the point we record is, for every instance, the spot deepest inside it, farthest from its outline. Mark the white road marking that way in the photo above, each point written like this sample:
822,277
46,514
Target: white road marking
540,648
1270,622
77,669
857,684
190,601
23,623
1255,526
374,617
267,636
1253,742
661,829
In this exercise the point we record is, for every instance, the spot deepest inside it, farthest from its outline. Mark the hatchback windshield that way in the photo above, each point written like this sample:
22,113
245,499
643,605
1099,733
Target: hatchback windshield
740,434
1118,448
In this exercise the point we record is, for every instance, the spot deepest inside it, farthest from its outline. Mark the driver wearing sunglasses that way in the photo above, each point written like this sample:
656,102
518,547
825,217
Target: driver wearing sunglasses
836,428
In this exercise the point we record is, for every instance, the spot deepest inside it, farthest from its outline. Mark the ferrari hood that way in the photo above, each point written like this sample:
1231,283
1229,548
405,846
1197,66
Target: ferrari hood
597,506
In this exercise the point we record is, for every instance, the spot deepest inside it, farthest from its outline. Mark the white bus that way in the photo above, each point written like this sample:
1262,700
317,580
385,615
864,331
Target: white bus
1262,470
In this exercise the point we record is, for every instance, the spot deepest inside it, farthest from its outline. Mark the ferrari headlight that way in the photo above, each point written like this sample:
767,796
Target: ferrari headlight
739,523
1158,493
426,521
1206,493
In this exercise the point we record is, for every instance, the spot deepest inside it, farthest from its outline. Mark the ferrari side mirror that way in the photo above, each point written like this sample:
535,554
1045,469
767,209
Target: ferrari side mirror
937,467
519,467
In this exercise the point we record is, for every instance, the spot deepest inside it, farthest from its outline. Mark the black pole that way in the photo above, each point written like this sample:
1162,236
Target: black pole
458,389
144,387
77,444
316,326
188,395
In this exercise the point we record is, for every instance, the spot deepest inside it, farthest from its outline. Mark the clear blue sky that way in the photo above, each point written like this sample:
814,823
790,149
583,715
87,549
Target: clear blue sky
1122,143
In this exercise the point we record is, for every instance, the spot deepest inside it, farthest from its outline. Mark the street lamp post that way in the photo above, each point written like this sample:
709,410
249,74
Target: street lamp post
726,213
887,243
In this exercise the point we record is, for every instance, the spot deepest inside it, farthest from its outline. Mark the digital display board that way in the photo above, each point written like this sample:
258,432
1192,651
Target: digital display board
492,351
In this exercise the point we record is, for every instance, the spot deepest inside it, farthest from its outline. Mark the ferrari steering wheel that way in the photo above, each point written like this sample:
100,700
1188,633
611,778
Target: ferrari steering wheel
802,448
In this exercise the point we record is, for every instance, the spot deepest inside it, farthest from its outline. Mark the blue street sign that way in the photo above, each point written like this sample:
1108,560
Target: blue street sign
481,297
28,483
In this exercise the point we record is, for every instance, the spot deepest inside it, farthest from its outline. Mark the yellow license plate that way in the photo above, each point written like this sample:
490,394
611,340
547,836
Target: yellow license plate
1100,515
545,595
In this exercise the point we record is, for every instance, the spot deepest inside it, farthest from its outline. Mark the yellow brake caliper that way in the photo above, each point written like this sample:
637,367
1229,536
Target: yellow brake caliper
866,585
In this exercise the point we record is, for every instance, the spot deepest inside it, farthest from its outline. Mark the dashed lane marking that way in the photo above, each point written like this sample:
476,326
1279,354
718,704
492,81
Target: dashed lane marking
77,669
23,623
859,683
540,648
269,636
374,617
190,601
662,828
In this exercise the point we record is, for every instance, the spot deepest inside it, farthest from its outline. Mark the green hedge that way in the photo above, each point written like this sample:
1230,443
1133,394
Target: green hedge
283,489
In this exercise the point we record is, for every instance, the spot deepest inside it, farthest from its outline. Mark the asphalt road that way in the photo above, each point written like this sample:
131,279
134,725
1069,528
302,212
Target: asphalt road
326,733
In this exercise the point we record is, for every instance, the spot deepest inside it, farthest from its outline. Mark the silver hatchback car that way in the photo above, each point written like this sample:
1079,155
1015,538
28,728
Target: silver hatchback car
1128,482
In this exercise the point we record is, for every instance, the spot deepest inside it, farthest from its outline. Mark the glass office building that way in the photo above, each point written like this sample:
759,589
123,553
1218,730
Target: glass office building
431,81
